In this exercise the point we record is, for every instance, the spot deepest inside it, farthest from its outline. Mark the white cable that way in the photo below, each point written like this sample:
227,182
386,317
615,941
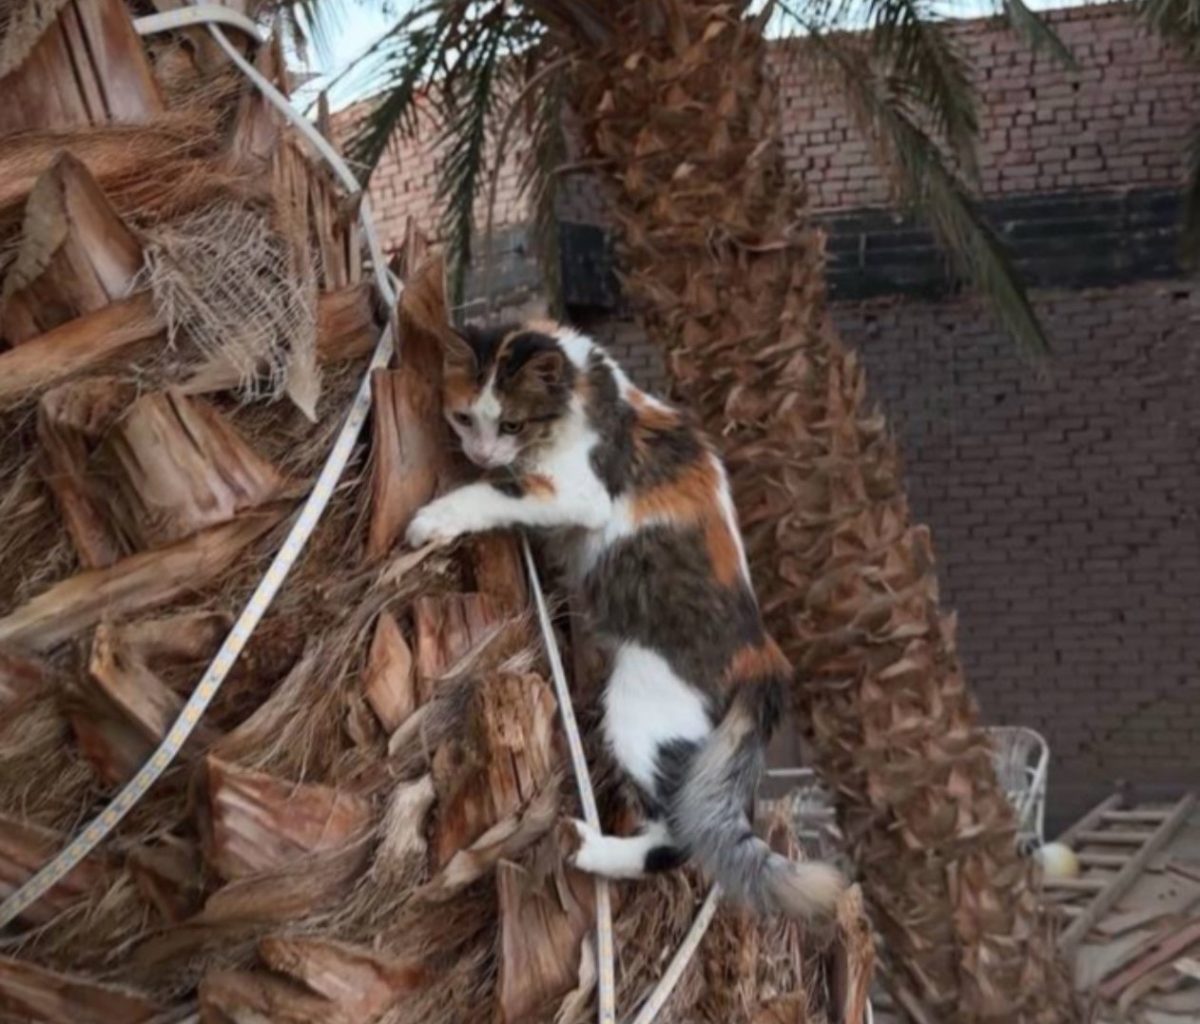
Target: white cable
587,797
198,14
683,956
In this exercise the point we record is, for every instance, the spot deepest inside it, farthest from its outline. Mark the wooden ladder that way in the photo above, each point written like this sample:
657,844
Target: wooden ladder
1114,845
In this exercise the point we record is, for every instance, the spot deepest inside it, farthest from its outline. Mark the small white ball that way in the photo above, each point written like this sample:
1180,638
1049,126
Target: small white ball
1058,861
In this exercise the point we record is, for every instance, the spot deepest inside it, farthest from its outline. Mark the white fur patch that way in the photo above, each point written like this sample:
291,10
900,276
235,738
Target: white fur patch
646,705
487,406
730,513
617,856
578,347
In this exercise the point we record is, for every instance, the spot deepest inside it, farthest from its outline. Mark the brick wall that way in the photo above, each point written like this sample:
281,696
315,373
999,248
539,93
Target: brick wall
1064,515
1119,120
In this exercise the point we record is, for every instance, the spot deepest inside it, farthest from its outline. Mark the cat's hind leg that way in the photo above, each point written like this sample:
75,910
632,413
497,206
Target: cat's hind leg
626,856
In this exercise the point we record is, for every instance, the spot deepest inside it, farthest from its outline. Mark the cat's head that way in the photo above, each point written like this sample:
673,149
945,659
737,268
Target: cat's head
505,389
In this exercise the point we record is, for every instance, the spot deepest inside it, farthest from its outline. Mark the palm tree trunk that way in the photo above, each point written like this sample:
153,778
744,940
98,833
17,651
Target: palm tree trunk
681,110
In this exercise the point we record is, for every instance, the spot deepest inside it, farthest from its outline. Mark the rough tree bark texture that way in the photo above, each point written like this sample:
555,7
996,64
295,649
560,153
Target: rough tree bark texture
679,107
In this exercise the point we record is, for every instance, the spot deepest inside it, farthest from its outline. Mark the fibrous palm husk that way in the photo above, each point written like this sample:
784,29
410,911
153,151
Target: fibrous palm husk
727,277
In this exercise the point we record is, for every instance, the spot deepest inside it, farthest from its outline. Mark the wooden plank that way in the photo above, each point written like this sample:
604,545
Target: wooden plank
1095,961
1119,924
1078,884
1096,859
1115,838
1091,819
1146,816
1164,952
1127,875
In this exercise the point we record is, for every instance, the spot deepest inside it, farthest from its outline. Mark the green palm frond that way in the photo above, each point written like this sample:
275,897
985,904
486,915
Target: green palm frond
468,100
547,153
884,106
410,54
1176,20
448,63
909,41
1031,27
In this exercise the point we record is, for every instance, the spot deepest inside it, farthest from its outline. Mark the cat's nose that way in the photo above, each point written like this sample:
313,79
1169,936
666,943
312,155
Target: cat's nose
482,455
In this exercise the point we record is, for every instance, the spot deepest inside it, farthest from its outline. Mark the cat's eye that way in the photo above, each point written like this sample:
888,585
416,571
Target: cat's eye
511,426
463,419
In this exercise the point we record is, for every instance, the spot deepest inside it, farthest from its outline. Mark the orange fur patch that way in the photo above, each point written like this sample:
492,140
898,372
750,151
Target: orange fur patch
691,499
759,661
458,391
722,548
538,485
652,417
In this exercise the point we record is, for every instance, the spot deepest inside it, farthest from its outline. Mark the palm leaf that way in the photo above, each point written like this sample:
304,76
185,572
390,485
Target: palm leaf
885,109
539,178
1036,32
907,39
469,98
409,54
1177,20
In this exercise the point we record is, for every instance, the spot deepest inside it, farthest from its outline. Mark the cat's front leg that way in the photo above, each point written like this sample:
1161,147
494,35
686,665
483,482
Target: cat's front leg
530,500
470,509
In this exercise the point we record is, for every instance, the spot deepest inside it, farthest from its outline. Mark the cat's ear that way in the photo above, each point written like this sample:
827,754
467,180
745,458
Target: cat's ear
546,368
456,349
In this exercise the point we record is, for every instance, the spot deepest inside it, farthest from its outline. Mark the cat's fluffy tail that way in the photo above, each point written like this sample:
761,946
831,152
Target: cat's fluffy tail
709,819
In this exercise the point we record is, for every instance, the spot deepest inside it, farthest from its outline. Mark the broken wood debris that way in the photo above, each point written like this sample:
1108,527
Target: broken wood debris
1133,923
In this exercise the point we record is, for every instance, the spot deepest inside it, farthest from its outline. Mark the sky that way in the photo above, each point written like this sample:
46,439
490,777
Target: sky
362,22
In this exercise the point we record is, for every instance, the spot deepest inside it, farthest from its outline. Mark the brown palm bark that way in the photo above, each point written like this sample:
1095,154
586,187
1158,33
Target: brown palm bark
679,108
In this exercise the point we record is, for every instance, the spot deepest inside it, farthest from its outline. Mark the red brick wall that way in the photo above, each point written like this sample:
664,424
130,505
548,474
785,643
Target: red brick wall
1064,516
404,185
1119,120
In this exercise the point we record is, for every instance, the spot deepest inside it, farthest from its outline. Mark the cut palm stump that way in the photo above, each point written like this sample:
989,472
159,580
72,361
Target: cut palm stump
361,827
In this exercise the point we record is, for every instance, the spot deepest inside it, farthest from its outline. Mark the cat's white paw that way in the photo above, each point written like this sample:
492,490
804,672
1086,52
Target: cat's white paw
436,523
581,841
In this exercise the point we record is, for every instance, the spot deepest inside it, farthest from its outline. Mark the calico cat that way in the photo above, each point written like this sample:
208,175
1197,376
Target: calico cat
655,553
